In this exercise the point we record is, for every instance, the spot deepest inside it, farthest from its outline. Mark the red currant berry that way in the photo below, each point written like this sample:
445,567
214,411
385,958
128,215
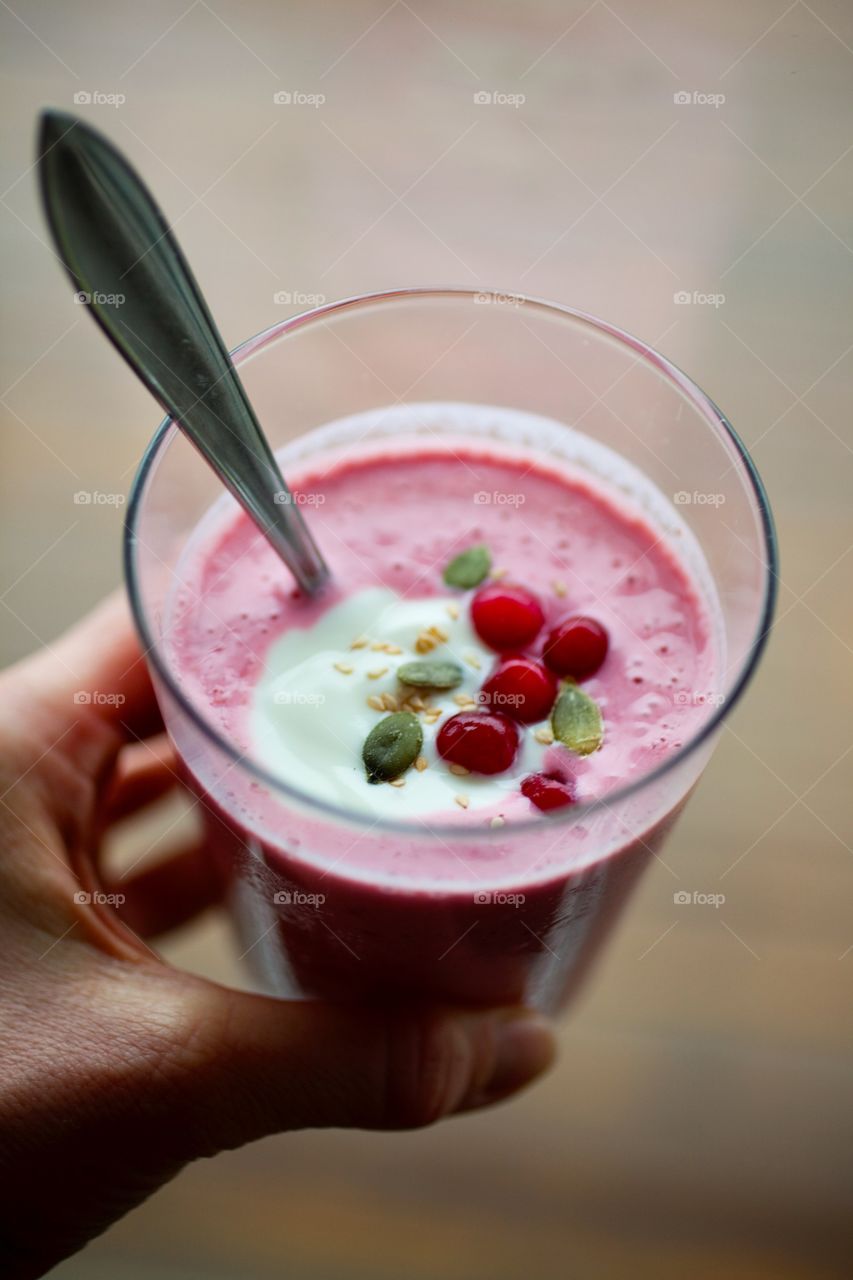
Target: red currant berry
506,618
547,792
521,688
482,741
576,647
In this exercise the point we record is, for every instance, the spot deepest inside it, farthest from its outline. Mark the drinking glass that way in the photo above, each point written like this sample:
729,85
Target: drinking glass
481,915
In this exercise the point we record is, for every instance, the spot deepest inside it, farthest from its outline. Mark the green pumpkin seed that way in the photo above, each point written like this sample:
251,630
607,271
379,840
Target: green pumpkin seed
430,675
392,746
576,721
469,568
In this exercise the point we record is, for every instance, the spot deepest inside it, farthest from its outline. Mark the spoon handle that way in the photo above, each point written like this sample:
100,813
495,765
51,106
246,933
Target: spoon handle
119,251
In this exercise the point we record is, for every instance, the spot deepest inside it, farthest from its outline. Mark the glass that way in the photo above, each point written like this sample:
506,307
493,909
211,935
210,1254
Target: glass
522,910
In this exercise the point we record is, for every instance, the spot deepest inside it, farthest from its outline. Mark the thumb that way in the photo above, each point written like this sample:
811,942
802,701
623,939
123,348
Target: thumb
245,1066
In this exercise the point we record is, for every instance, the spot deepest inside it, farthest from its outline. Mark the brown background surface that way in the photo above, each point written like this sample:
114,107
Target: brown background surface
699,1122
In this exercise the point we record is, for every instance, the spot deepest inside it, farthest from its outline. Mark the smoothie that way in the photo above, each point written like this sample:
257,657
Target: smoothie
543,642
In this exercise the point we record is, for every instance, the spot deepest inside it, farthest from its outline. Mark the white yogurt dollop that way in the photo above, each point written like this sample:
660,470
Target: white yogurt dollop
309,718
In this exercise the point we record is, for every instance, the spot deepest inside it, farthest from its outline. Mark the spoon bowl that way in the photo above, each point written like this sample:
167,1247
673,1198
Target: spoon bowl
128,268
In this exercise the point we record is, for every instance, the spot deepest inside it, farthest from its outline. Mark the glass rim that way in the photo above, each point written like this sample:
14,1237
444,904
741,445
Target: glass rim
418,827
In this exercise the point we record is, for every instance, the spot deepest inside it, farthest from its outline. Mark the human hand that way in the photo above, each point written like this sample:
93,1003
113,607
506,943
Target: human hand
115,1069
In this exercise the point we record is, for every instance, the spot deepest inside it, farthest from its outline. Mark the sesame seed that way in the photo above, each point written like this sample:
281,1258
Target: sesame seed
378,646
462,801
545,736
376,702
559,588
497,821
377,673
389,702
344,668
393,648
398,782
453,611
464,700
459,770
497,574
421,763
473,661
439,634
359,643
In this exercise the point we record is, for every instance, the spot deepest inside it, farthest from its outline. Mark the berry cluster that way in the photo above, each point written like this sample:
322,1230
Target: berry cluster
521,689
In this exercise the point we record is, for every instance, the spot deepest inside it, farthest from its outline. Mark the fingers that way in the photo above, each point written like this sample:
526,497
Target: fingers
303,1064
67,711
175,889
144,772
169,893
96,672
164,1068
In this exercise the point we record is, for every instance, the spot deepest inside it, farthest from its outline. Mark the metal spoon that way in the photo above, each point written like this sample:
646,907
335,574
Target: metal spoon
116,244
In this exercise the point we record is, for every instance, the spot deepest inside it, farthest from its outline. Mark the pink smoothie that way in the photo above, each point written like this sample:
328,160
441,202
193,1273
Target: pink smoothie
490,903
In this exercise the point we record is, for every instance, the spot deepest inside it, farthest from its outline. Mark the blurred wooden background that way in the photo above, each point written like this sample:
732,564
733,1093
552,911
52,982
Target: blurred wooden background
699,1122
